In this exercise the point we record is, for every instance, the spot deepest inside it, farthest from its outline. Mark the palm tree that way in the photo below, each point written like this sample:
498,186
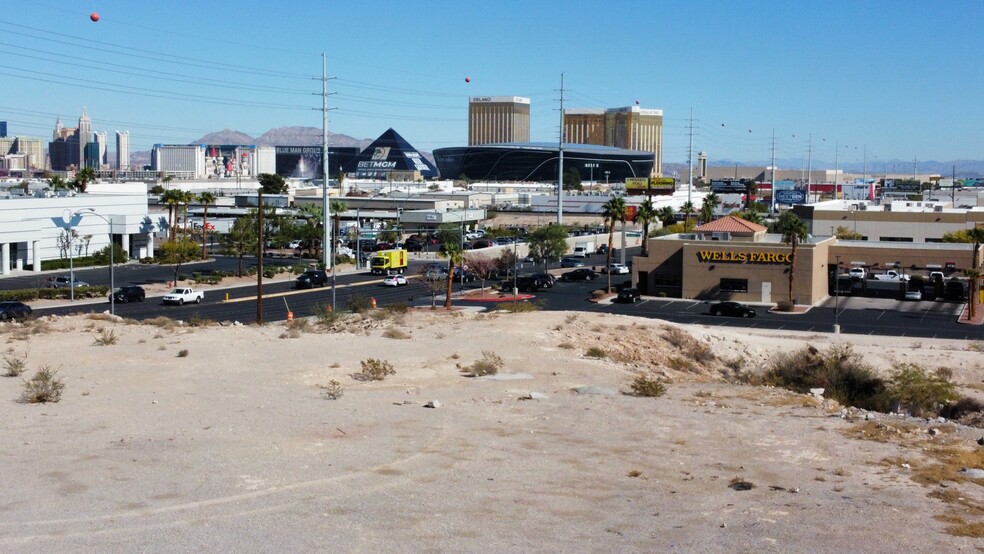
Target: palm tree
336,207
753,216
688,210
977,234
793,231
709,206
206,198
187,197
451,246
612,211
666,216
83,178
172,198
646,213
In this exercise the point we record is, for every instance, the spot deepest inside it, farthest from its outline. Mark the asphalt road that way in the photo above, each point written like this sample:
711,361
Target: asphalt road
926,319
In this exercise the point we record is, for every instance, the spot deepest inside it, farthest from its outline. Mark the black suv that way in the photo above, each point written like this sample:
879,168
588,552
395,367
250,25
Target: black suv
546,280
580,274
129,293
312,278
524,284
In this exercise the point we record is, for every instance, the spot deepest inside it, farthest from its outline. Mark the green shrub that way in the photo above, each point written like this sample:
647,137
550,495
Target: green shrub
644,385
919,392
840,371
375,370
784,306
43,387
358,304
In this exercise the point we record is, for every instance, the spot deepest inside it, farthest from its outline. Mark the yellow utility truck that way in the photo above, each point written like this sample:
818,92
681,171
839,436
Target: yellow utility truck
389,262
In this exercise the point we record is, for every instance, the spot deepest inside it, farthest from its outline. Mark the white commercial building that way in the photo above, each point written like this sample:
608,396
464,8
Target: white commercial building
34,228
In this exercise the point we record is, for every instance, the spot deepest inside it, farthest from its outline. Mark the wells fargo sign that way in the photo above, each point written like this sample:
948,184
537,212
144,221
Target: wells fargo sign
743,257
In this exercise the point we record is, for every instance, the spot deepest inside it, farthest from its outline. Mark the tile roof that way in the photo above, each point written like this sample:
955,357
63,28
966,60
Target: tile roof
730,224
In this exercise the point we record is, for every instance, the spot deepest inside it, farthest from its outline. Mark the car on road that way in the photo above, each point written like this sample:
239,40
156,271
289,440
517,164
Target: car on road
311,278
13,310
733,309
628,296
128,293
183,295
395,281
580,274
616,269
61,282
571,262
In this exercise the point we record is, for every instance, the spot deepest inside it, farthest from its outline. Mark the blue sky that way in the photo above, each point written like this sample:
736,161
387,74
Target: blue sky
900,80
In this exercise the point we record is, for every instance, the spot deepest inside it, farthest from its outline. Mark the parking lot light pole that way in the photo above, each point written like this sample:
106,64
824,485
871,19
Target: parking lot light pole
112,281
837,327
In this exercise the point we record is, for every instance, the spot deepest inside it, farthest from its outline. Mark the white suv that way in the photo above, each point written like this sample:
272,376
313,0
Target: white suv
616,269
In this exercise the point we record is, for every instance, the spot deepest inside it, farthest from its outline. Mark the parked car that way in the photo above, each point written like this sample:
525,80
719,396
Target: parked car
525,284
128,293
395,281
913,294
616,269
436,274
413,245
571,262
628,296
312,278
580,274
14,310
62,281
603,249
294,244
733,309
482,243
857,273
466,275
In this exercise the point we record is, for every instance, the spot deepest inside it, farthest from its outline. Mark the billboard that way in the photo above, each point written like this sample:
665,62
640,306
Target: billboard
653,185
304,162
724,186
785,196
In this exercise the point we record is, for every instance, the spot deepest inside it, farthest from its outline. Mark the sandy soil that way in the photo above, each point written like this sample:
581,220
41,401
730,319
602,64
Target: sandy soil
221,439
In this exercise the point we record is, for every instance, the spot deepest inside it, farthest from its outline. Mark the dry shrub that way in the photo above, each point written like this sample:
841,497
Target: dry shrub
566,345
644,385
519,307
375,370
105,338
183,353
677,363
596,352
161,321
103,316
13,367
839,370
332,391
199,321
300,325
919,392
696,350
396,333
43,387
490,364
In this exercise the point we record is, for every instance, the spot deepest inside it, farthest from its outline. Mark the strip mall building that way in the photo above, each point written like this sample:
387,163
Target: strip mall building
734,259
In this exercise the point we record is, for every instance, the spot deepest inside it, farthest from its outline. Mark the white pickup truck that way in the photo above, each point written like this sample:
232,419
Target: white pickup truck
181,295
891,275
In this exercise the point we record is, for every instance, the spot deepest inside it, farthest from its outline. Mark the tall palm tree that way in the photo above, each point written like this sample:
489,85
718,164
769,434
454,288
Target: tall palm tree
187,197
793,231
688,210
206,198
612,211
646,213
83,178
336,207
172,198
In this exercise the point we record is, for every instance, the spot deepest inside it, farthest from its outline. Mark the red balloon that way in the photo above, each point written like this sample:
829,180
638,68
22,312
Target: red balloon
94,16
467,79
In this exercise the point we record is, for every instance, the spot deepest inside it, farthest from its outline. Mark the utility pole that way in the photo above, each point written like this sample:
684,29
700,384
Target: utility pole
809,165
953,184
259,256
560,159
326,235
690,157
773,170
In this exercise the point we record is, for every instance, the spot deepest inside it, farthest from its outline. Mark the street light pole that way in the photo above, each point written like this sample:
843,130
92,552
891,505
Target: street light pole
112,280
837,327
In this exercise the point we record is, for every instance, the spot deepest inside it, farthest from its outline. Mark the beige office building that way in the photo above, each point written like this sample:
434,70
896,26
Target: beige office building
498,119
631,128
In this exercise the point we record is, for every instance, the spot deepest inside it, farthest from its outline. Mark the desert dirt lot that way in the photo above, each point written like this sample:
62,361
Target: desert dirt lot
221,438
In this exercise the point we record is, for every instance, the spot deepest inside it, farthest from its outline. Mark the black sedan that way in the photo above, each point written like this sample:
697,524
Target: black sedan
580,274
733,309
129,293
14,310
628,296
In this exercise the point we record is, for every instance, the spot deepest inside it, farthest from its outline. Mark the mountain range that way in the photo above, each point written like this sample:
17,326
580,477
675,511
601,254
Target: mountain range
312,136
